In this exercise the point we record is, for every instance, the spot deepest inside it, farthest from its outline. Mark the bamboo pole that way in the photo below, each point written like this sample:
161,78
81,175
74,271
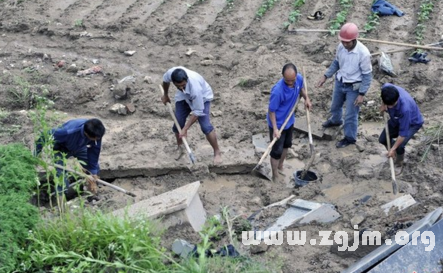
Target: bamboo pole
401,44
403,49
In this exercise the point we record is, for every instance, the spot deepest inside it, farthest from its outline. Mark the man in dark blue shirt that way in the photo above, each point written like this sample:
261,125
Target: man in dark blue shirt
405,119
79,138
283,97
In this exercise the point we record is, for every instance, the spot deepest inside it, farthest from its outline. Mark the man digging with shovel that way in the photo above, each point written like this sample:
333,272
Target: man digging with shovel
283,97
405,120
79,138
194,95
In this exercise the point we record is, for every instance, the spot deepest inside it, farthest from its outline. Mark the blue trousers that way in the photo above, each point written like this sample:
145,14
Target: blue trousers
182,111
81,155
393,133
344,94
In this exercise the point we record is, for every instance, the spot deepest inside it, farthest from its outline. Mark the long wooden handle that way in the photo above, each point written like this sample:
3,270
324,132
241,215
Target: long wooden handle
403,49
391,161
308,119
98,180
268,150
401,44
175,120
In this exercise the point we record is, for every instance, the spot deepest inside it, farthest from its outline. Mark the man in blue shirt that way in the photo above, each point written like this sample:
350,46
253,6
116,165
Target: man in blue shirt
79,138
353,69
283,97
194,95
405,120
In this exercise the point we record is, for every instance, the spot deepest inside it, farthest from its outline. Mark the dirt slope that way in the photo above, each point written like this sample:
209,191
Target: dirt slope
241,57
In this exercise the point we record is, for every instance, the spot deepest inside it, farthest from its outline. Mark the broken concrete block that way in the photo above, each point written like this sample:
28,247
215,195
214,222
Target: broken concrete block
182,205
260,142
399,204
118,108
147,79
130,107
358,219
261,247
303,212
182,248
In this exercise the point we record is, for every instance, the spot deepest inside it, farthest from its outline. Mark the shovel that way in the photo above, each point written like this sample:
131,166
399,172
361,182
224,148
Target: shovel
98,180
391,161
311,144
191,155
259,168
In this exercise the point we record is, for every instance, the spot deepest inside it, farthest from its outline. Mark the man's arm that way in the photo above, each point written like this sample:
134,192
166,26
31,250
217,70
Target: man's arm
305,96
93,155
333,68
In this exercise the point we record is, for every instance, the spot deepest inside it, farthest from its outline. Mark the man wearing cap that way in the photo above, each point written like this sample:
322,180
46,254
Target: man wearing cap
353,75
405,120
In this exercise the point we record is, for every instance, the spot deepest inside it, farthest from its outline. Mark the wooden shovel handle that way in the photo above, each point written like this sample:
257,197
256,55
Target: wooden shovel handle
171,112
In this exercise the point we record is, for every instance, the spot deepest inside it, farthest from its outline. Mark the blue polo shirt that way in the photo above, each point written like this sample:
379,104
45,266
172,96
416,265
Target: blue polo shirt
282,100
405,113
71,138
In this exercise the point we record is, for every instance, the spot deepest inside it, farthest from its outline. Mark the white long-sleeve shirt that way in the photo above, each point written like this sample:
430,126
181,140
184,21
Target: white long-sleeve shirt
197,90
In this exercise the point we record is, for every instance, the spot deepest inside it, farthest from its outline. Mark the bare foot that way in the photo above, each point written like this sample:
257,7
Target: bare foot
280,171
218,159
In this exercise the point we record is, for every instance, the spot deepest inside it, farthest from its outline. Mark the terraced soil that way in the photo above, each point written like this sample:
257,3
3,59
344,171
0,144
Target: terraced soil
241,57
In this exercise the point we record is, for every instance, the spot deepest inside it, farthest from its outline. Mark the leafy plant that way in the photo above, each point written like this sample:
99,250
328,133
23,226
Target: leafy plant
341,16
373,22
17,216
230,4
265,7
426,9
434,135
295,14
78,23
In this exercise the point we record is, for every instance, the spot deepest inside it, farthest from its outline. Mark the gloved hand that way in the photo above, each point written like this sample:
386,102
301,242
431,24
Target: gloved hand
91,183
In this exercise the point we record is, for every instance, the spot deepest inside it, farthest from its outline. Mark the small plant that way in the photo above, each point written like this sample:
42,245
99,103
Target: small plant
434,134
341,16
295,14
230,4
426,9
78,23
21,94
373,22
265,7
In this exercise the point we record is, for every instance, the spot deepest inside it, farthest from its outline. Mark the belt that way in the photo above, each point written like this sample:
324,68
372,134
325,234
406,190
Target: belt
347,83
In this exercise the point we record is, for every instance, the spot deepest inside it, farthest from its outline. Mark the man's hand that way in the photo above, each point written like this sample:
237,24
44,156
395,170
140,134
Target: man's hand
392,153
276,134
184,133
165,99
321,81
359,100
92,183
383,108
308,104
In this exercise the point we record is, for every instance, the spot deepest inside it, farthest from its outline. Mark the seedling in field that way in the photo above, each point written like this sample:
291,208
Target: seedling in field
426,9
265,6
295,13
373,21
340,18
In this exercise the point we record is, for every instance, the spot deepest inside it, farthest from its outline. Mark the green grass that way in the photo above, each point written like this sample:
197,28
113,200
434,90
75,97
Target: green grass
17,216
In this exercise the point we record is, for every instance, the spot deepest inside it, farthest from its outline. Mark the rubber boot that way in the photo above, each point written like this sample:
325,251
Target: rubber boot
399,160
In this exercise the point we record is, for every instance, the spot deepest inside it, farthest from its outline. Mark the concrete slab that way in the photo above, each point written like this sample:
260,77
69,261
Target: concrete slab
177,206
301,125
301,212
399,203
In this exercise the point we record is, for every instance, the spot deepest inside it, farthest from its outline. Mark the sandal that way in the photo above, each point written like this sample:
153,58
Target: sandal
318,15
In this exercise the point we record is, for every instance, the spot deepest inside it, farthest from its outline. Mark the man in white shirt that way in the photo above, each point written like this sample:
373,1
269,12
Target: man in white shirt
194,95
353,69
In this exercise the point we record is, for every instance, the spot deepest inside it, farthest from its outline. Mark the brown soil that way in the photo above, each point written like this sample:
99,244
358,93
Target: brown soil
241,57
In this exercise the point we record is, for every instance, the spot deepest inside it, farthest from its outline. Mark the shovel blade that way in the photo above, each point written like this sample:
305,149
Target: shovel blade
192,158
394,187
263,171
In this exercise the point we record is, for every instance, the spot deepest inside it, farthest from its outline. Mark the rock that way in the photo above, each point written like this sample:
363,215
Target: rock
218,73
130,107
217,113
260,248
123,87
208,57
189,52
27,64
60,64
118,108
147,79
326,63
206,62
129,52
95,61
72,68
256,201
358,219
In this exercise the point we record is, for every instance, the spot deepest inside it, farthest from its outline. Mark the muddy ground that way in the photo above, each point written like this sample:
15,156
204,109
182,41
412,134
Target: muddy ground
241,57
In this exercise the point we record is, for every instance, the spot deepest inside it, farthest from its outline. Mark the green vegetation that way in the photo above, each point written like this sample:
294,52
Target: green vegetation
230,4
265,7
17,216
295,14
426,9
434,134
373,22
78,23
340,18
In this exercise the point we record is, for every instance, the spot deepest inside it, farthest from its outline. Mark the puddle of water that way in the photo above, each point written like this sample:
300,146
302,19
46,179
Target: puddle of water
219,183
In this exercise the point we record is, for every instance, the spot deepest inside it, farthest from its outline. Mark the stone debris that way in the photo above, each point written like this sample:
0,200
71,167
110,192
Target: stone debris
129,52
399,204
119,108
93,70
